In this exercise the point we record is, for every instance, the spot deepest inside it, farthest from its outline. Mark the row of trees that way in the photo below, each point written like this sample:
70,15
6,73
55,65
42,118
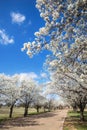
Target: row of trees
65,35
21,92
69,77
24,92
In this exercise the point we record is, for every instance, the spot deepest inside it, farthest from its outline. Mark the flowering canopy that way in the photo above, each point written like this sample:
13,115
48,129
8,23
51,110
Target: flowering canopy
65,23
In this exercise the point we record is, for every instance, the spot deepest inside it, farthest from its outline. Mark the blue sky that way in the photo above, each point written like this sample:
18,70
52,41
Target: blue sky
19,19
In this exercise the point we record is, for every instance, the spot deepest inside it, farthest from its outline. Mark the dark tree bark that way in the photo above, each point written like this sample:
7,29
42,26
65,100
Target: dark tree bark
82,115
75,108
82,107
11,110
49,109
37,109
26,110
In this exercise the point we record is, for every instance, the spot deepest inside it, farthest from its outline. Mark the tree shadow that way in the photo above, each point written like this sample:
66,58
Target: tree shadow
30,120
42,115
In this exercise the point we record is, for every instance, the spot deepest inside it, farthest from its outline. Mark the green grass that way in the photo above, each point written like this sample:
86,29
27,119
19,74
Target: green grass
83,127
17,112
66,128
73,121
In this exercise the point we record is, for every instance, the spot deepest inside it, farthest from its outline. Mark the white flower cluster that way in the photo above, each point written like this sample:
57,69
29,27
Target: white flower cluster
65,22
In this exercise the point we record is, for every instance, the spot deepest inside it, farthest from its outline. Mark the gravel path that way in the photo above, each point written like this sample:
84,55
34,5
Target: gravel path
46,121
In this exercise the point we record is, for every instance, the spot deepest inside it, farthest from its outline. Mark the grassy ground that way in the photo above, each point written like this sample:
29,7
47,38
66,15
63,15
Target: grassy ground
17,112
73,122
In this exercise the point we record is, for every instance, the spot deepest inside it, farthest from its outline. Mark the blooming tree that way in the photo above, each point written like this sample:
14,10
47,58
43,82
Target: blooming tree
65,23
10,92
28,93
69,74
65,34
39,101
68,88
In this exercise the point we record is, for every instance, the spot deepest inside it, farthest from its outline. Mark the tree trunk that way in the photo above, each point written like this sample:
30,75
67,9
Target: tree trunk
75,109
37,109
11,111
49,109
82,106
82,114
26,111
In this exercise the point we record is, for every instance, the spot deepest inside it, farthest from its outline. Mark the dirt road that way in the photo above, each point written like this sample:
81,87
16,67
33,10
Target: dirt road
46,121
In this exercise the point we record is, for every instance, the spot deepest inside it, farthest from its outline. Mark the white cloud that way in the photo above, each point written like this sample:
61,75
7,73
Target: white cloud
4,38
43,75
17,18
